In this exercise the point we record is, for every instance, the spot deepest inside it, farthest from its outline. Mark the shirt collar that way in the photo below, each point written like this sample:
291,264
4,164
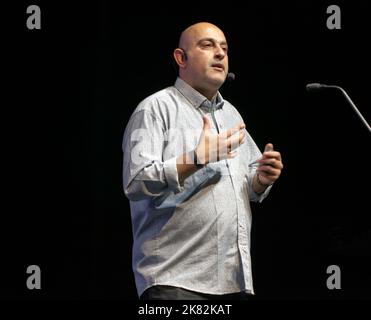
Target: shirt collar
196,98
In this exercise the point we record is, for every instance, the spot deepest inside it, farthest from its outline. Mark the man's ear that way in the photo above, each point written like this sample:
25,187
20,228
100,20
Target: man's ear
180,57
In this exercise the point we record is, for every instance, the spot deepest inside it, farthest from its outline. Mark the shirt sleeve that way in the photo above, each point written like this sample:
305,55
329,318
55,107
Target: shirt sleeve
145,172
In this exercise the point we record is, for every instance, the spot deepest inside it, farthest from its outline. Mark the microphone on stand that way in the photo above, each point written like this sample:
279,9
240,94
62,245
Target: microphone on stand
315,87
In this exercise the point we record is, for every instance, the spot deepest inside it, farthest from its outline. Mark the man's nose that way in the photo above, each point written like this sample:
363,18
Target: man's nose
219,52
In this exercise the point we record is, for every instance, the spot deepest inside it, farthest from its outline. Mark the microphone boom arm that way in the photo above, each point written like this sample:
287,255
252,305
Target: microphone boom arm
317,86
352,105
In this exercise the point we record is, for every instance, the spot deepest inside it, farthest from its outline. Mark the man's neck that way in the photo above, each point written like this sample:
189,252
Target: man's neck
209,94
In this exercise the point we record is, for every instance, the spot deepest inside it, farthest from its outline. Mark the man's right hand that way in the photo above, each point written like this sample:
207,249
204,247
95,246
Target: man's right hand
215,147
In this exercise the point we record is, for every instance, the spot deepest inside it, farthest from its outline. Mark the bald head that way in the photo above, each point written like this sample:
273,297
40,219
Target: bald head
202,57
196,31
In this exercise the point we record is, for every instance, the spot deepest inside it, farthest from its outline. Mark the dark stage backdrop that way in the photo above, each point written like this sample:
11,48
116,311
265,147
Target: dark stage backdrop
71,87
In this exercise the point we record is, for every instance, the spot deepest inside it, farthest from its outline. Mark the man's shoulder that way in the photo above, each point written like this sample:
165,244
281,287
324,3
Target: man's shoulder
230,107
155,100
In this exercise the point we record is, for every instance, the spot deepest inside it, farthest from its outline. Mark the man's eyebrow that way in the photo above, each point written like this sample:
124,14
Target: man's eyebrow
212,40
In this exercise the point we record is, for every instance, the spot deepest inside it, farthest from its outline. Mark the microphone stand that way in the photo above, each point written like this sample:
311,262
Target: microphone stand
317,86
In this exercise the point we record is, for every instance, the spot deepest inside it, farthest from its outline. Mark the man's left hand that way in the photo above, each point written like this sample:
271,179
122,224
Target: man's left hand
270,166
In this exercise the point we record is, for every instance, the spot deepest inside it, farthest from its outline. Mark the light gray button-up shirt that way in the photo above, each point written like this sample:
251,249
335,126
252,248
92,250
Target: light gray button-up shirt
197,235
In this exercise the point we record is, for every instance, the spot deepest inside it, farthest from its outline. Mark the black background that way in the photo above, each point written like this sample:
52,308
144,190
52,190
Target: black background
70,88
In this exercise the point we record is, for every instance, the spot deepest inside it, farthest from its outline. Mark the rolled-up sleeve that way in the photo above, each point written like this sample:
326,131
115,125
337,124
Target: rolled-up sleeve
145,172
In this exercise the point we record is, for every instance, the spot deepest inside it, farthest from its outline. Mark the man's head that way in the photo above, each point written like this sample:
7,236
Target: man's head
202,57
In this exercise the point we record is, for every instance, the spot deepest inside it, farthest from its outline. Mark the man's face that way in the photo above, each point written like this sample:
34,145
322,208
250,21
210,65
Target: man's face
207,57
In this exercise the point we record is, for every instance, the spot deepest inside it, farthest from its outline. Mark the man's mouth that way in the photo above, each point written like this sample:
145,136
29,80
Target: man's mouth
218,66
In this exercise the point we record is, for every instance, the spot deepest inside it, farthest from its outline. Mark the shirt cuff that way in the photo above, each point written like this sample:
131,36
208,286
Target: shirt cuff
171,175
260,197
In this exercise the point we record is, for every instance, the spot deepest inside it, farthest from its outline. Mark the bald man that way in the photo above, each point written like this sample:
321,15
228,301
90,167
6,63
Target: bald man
190,171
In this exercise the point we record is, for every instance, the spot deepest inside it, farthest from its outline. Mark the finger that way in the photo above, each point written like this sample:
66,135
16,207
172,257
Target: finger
232,154
271,162
268,147
268,170
236,140
272,154
207,124
243,138
232,131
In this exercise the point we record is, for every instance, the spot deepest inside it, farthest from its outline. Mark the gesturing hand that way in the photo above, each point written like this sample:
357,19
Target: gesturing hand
270,166
215,147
